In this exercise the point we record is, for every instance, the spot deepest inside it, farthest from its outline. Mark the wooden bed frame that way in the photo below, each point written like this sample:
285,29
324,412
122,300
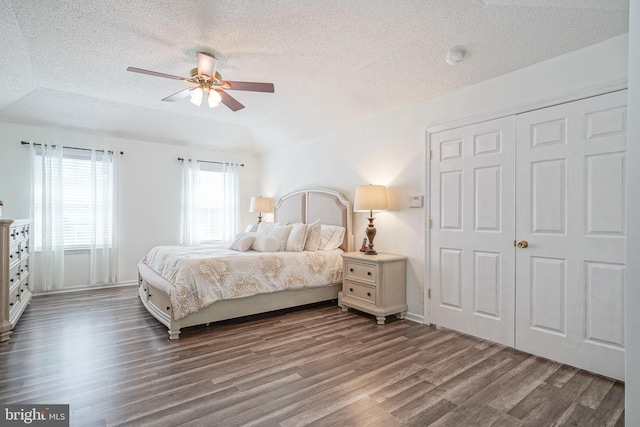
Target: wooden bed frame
306,206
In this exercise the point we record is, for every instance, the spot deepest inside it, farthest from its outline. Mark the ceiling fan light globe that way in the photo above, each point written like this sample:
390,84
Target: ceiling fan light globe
214,98
196,96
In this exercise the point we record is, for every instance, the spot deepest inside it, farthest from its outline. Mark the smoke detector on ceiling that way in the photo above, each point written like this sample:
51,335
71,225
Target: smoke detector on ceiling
455,55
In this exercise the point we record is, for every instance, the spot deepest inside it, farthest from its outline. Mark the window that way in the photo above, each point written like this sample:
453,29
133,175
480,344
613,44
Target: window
211,195
85,203
210,212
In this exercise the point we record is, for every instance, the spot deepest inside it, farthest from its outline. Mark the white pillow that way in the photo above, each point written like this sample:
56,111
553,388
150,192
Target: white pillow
242,242
297,237
331,237
265,243
252,228
313,236
266,227
281,232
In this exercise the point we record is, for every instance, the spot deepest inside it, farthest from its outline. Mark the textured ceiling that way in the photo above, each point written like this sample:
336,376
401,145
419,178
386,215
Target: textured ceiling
332,62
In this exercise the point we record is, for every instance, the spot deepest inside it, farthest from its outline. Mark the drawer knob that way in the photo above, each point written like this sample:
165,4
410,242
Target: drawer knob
168,308
11,304
351,270
368,273
368,294
149,295
350,289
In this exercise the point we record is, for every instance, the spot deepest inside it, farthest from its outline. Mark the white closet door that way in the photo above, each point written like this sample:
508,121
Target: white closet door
472,209
570,205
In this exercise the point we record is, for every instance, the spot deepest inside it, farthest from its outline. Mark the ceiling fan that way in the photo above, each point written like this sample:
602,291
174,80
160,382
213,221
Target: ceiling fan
208,83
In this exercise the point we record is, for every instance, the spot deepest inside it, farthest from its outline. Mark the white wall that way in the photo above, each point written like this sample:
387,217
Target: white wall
390,149
150,190
632,383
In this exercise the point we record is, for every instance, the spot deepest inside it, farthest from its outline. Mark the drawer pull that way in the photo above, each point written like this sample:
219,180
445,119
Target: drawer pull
149,295
368,273
351,270
168,308
368,294
350,289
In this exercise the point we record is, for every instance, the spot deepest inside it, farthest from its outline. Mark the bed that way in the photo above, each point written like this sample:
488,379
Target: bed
177,294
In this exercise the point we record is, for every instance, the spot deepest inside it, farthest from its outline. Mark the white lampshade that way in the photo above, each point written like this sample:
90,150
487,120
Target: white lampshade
261,204
370,198
213,98
196,96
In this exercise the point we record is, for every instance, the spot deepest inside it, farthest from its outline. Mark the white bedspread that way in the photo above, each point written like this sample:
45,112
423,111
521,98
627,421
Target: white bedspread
201,275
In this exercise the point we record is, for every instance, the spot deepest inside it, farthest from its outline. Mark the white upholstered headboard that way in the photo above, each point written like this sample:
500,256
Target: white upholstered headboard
306,206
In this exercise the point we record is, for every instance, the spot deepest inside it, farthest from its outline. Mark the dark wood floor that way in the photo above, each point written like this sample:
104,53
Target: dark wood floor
103,354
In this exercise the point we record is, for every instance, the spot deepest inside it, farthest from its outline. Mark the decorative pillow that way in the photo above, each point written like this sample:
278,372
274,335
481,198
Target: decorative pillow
252,228
331,237
297,237
266,227
313,236
281,232
265,243
242,242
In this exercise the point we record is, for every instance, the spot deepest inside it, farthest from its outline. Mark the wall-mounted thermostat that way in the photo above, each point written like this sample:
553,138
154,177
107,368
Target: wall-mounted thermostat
416,201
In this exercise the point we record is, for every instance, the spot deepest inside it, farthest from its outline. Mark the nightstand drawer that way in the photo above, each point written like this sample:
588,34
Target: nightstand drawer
359,271
363,292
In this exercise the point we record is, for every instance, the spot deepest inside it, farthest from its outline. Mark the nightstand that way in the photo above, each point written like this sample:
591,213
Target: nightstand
374,284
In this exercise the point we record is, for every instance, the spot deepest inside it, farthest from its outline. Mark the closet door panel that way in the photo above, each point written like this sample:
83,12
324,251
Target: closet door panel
472,209
570,209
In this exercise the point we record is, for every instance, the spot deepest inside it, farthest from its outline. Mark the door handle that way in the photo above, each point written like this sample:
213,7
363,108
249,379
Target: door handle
523,244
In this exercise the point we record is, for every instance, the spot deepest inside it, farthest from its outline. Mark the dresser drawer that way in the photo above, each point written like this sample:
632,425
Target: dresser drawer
355,270
14,254
14,298
360,291
14,277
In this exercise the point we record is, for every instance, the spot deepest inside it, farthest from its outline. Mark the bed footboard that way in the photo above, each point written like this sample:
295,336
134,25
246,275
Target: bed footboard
158,304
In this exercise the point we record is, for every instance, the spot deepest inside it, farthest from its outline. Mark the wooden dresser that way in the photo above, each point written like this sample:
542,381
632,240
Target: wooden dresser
14,273
374,284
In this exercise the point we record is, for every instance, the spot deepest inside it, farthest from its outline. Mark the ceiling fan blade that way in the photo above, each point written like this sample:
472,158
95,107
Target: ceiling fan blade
250,86
155,73
178,95
228,100
206,64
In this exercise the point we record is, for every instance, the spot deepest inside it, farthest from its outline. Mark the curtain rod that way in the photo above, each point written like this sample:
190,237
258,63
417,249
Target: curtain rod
64,146
207,161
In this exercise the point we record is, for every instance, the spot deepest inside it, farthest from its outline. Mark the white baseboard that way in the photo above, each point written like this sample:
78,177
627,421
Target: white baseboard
414,317
86,288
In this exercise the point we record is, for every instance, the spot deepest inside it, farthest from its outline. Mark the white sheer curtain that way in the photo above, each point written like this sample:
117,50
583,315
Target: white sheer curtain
190,202
103,246
230,201
72,208
47,210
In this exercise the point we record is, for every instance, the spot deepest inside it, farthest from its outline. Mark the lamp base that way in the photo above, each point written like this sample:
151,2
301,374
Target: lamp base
371,233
